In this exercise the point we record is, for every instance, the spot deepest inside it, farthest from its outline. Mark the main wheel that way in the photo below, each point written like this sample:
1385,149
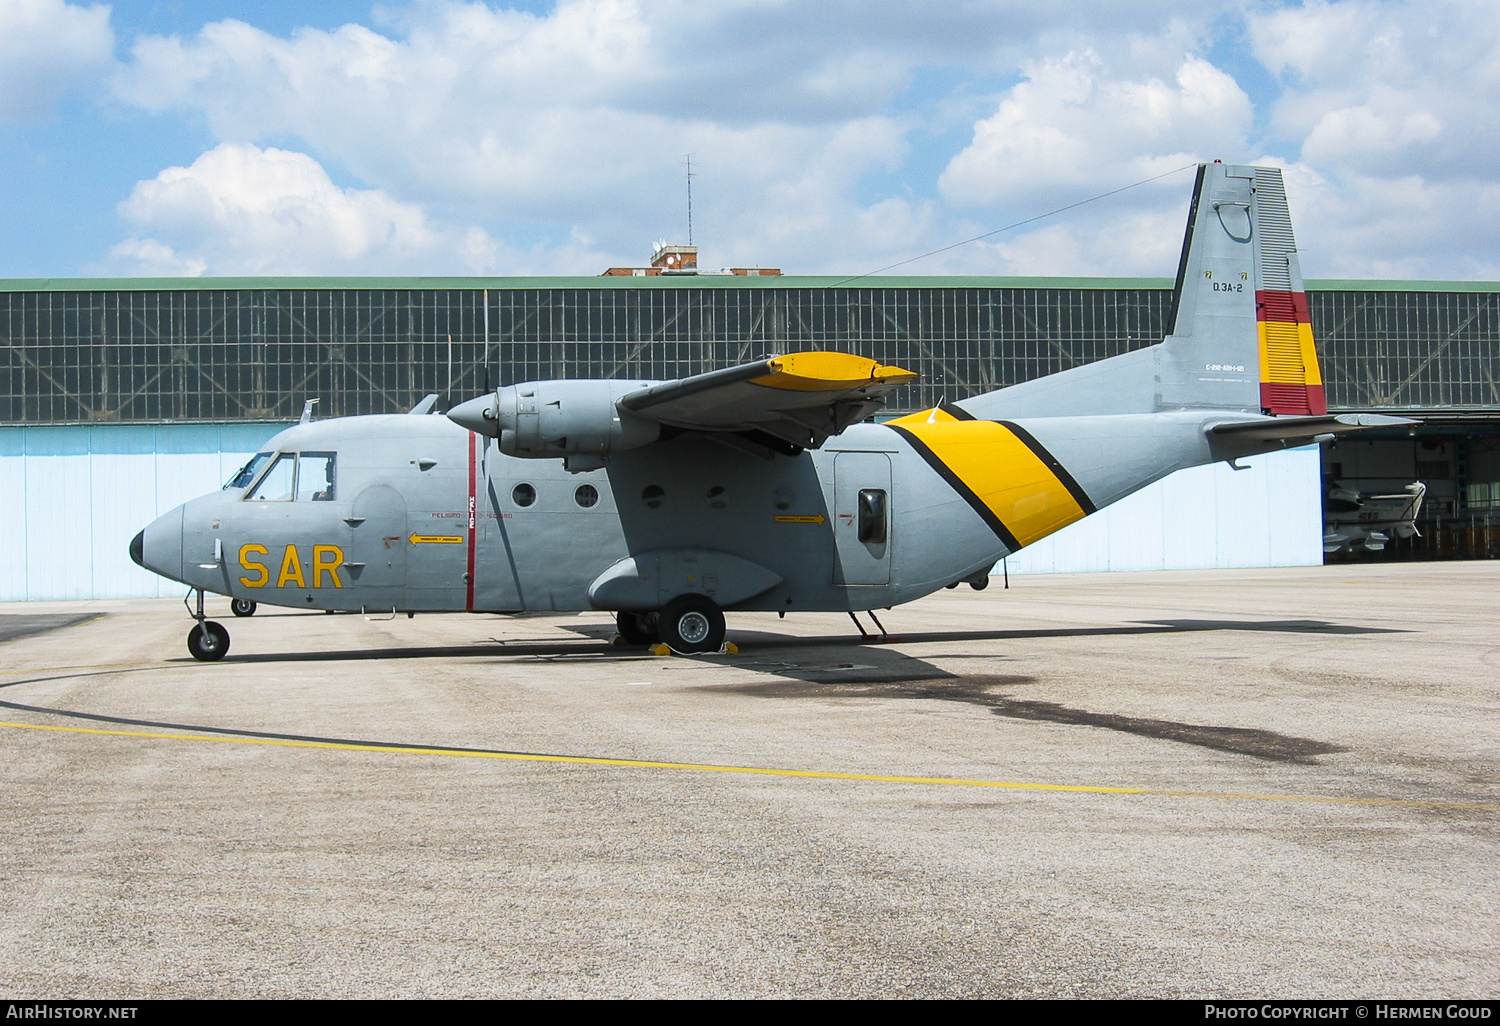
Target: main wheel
208,641
692,624
638,628
242,607
979,582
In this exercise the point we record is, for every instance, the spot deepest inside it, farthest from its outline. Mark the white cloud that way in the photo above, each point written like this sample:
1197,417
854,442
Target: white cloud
1080,124
46,47
239,209
554,143
576,122
1072,125
1391,106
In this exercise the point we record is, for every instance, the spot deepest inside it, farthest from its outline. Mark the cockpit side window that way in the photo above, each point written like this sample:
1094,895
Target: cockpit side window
277,484
249,471
315,477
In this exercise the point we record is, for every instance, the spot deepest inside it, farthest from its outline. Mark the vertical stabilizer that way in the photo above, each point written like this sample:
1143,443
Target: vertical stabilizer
1241,337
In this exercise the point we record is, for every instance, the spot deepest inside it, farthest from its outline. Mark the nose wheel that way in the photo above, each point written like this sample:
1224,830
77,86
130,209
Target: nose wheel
208,641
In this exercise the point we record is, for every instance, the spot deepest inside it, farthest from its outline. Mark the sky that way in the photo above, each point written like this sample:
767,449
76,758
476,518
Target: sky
838,137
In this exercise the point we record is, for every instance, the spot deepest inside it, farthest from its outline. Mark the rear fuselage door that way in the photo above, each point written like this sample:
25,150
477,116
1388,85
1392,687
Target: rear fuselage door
862,518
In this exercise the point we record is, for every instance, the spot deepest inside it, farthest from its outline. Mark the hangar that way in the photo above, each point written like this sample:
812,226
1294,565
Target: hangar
121,398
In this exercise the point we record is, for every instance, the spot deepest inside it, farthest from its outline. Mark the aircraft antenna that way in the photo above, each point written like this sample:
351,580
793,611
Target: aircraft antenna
690,197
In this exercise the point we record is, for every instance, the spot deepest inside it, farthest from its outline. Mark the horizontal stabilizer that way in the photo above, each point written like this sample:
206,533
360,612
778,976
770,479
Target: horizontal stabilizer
1292,429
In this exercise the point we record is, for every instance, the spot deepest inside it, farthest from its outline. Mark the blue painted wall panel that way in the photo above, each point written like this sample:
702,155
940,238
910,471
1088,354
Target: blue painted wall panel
71,498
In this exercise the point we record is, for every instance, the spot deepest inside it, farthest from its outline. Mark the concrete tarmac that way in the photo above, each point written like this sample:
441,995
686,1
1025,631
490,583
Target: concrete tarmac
1284,783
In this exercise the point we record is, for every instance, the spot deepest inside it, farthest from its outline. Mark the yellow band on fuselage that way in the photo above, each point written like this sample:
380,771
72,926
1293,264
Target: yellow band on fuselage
1001,473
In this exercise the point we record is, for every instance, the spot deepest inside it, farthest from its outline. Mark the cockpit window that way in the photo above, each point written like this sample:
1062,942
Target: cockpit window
248,472
315,477
278,483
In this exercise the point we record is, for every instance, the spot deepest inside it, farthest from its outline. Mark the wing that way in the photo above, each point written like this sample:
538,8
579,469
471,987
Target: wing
798,400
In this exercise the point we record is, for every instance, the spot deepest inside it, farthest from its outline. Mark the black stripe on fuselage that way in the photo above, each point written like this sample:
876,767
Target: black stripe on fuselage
964,491
1066,479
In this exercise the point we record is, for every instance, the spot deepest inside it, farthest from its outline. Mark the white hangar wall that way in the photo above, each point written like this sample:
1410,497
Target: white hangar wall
1206,518
72,497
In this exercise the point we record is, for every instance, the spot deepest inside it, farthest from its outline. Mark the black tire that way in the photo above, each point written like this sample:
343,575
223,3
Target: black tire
692,625
979,582
638,628
208,641
242,607
955,584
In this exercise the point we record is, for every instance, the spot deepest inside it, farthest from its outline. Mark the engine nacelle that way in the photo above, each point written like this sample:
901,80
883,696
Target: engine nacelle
548,419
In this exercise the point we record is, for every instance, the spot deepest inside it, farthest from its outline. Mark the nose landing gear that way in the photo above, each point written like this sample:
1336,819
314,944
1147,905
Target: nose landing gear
208,641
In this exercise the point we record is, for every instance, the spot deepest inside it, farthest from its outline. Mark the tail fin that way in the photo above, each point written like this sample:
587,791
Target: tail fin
1241,337
1240,334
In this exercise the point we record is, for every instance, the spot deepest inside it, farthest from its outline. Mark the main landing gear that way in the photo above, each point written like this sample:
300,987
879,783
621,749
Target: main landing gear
688,625
207,641
692,625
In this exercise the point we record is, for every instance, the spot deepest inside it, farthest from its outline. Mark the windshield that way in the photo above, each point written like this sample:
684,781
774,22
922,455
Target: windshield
246,474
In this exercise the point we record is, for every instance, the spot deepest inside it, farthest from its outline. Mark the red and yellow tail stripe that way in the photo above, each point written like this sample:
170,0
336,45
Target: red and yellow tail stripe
1290,381
1015,485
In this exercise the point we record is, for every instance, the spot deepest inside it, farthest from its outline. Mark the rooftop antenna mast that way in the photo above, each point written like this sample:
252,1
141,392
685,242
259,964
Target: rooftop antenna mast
690,197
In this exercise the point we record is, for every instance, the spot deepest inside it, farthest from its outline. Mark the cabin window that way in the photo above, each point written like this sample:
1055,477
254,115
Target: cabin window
872,516
277,484
523,495
717,497
315,474
782,498
248,472
652,496
586,496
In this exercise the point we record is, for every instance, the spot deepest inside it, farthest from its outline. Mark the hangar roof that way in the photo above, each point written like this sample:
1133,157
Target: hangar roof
683,281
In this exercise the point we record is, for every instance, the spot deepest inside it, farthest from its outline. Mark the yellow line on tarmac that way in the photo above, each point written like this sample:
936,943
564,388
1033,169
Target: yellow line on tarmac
755,770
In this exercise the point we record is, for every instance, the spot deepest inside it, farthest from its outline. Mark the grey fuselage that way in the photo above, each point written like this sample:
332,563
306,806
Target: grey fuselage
424,517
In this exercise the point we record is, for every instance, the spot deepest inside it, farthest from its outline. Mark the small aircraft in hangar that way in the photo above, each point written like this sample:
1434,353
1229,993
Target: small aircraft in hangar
761,487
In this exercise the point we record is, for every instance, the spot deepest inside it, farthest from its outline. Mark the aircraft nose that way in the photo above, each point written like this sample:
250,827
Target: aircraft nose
478,415
159,547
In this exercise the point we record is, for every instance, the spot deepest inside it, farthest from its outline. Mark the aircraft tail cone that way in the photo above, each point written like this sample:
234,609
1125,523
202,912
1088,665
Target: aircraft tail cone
478,415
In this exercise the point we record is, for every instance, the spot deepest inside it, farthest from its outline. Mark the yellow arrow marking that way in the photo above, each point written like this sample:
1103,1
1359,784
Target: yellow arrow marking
819,519
436,539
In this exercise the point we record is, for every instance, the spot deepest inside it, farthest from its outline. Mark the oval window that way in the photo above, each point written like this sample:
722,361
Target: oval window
652,496
586,496
716,497
783,497
523,495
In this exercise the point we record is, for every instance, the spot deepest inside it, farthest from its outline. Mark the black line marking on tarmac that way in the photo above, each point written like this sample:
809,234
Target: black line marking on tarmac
266,735
890,682
25,625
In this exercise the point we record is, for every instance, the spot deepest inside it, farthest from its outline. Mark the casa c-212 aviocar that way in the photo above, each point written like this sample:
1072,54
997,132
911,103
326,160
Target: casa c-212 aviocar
761,487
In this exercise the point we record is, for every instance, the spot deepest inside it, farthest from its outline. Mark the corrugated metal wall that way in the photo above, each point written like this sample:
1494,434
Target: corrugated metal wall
72,497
